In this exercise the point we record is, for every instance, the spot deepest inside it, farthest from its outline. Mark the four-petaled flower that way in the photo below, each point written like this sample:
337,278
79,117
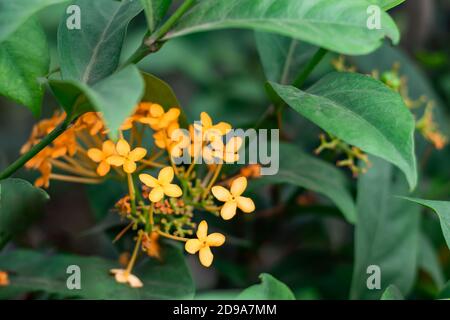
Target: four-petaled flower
161,186
209,130
126,157
123,276
157,119
233,198
101,156
203,243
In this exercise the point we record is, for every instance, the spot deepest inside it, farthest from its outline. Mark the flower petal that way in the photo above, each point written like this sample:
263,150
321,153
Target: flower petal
223,127
156,110
103,168
116,161
245,204
238,186
156,194
129,166
95,154
233,145
134,281
165,176
215,239
137,154
172,190
108,148
121,277
228,210
122,147
221,193
192,246
206,120
202,230
148,180
206,256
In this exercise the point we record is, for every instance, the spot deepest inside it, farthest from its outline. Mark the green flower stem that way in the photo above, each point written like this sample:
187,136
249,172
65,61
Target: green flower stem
19,163
305,72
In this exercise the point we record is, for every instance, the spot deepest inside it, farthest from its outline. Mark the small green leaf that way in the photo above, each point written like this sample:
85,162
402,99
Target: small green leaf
387,232
14,13
361,111
442,209
32,271
115,97
336,25
93,52
24,57
20,205
155,11
269,289
392,293
301,169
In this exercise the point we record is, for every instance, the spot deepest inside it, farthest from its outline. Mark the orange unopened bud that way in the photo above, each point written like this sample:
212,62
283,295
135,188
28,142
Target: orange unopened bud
4,279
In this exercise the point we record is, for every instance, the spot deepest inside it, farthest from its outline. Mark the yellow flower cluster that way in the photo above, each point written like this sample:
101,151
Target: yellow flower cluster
165,201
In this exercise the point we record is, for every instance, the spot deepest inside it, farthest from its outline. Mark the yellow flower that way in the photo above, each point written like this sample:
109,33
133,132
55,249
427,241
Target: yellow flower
122,276
208,128
101,156
44,181
161,186
4,279
90,121
233,198
216,150
157,119
150,244
203,243
126,157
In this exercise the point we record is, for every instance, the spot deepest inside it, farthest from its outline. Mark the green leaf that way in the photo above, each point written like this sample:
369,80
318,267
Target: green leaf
24,57
387,4
392,293
31,271
445,293
429,261
269,289
361,111
309,172
387,232
336,25
442,209
93,52
115,97
20,205
155,11
15,13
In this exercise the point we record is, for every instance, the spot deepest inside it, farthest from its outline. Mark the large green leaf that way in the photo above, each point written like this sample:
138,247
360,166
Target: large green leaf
387,232
269,289
301,169
24,57
442,209
93,52
337,25
31,271
155,11
115,96
361,111
20,205
14,13
392,293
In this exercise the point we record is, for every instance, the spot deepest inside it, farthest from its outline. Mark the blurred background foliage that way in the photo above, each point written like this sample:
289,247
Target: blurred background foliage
308,247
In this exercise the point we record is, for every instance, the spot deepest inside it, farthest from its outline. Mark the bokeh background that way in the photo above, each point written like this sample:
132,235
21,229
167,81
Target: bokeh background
220,72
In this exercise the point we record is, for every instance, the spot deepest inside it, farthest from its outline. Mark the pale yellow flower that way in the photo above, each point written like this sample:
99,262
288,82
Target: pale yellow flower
101,156
122,276
161,186
158,119
203,243
233,198
126,157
